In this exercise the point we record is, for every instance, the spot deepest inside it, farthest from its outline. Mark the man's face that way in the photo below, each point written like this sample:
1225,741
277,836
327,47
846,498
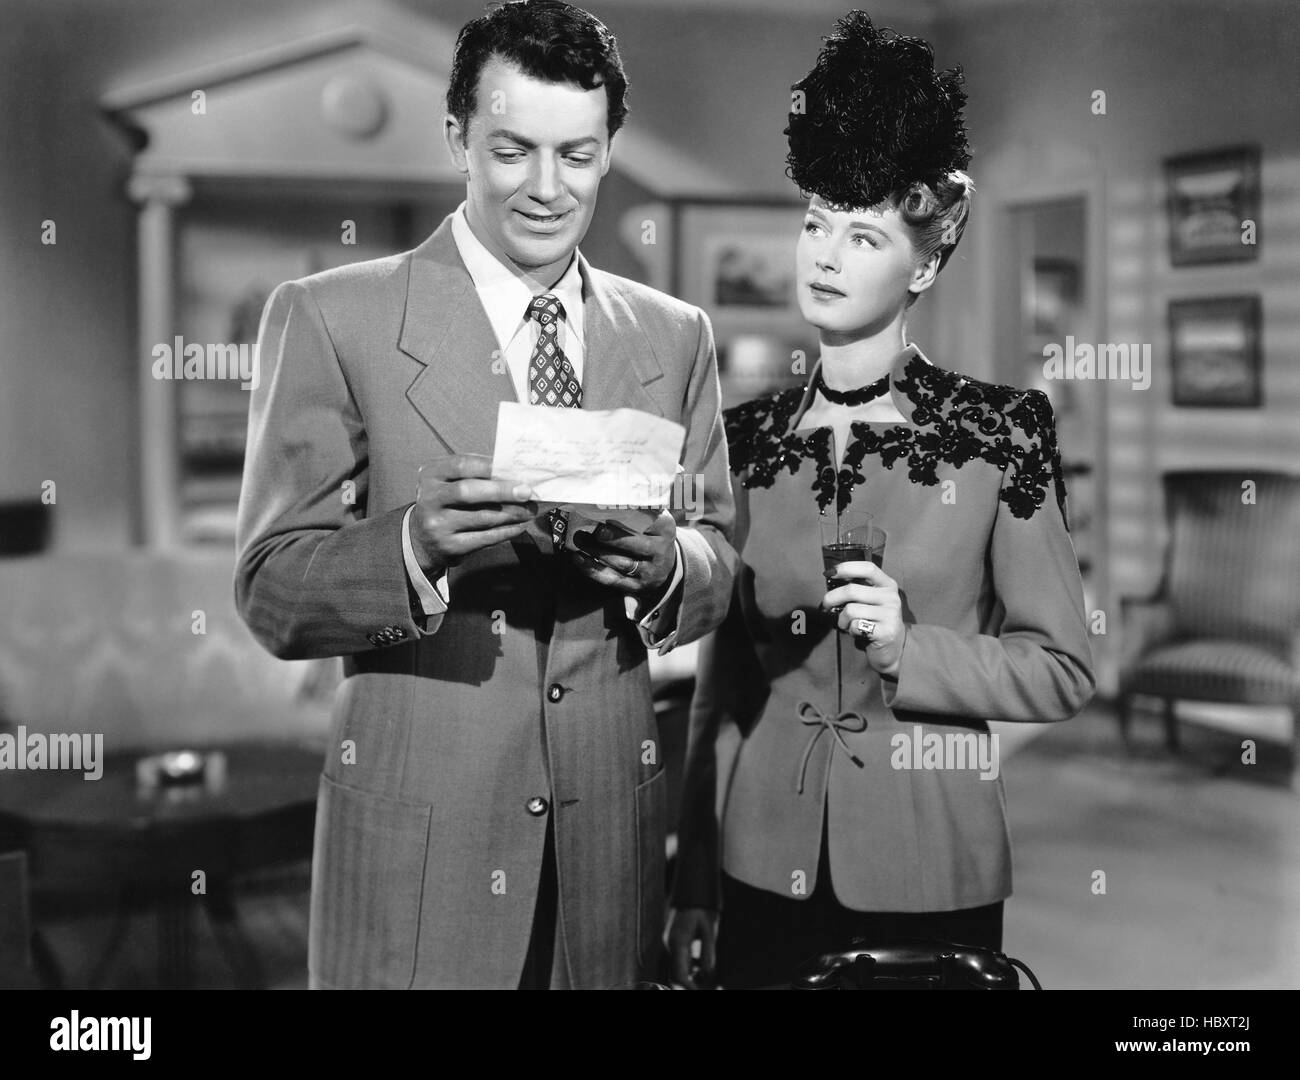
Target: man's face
533,159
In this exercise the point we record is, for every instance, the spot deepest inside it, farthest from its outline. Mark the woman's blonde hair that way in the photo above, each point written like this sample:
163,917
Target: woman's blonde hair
935,215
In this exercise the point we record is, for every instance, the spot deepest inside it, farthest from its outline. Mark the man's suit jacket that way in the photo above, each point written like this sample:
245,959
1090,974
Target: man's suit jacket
535,685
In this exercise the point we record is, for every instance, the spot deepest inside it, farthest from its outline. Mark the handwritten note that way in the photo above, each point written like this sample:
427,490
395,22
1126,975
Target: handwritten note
588,457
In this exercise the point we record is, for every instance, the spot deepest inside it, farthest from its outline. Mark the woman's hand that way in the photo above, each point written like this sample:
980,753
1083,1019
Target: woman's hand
688,926
866,592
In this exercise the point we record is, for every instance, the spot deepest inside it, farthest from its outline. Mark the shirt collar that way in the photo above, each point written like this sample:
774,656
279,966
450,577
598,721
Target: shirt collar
504,294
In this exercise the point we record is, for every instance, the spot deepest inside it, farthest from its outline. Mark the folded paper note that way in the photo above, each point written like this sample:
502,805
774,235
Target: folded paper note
587,457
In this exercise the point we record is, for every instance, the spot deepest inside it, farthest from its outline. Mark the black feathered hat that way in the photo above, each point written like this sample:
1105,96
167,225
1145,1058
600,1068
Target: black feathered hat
873,117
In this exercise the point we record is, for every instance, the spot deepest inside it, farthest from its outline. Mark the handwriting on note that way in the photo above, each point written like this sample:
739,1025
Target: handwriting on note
611,457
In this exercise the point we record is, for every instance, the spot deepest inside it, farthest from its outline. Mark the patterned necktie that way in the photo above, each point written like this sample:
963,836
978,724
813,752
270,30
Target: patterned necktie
551,378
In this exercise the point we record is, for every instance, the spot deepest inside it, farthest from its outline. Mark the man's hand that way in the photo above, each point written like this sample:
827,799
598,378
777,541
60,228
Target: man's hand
460,509
639,564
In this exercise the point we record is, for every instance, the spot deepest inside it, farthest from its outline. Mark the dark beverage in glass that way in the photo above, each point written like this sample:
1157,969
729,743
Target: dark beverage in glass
845,551
849,551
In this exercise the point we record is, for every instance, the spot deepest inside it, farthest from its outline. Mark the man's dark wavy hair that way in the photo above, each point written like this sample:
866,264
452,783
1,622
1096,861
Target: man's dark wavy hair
545,39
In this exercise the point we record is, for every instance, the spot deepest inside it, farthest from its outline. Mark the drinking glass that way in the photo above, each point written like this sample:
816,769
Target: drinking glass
851,536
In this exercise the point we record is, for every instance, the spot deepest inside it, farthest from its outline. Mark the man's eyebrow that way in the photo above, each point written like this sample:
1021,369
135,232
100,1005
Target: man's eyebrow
515,137
506,133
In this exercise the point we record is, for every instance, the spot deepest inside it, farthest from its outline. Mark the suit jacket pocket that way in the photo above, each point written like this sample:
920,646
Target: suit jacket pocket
650,798
367,884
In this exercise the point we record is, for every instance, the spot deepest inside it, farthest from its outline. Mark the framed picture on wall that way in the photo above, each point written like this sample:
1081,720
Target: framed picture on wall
735,259
1214,206
1214,352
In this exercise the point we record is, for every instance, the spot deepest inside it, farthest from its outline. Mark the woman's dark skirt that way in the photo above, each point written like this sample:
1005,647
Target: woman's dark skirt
763,938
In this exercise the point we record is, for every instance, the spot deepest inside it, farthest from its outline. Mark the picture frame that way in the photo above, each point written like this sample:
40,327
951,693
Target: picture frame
1214,352
1210,197
227,269
735,258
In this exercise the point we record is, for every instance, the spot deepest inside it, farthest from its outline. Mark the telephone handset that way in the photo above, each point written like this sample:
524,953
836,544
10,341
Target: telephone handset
925,965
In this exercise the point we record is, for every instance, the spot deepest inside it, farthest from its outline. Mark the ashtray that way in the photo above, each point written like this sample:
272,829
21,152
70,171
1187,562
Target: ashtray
181,769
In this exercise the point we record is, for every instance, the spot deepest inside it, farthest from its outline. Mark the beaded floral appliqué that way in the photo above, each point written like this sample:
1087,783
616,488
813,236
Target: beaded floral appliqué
957,420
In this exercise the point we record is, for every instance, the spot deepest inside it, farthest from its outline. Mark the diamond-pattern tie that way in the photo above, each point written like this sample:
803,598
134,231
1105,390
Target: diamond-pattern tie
551,378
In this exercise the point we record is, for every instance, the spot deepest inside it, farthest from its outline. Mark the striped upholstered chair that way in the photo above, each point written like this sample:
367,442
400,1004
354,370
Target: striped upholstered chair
1224,625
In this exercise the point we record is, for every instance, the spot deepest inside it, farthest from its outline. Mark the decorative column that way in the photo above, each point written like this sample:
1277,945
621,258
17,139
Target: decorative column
158,196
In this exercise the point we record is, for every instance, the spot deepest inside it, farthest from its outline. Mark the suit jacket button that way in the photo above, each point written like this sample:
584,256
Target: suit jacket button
537,806
555,692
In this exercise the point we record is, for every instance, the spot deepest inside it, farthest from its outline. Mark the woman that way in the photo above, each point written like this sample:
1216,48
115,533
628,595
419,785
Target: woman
864,798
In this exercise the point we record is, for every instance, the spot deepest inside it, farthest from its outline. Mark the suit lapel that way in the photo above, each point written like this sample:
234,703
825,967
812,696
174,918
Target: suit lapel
446,329
619,362
460,387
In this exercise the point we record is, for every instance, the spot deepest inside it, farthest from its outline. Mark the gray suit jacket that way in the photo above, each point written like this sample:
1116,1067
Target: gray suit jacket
427,857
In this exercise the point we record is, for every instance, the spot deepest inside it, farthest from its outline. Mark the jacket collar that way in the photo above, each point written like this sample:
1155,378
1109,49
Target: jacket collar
897,371
445,329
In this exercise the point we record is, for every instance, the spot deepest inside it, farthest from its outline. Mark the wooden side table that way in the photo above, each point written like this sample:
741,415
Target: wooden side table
171,849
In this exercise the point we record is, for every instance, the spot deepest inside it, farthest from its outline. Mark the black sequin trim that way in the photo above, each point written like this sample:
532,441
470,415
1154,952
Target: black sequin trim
957,420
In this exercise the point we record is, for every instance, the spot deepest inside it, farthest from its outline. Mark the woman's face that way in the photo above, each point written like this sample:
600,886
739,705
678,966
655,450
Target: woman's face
855,269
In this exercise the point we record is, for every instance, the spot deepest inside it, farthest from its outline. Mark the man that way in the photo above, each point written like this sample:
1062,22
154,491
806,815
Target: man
491,810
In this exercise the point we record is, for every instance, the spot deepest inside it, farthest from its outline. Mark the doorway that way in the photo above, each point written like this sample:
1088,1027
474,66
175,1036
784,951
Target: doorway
1046,288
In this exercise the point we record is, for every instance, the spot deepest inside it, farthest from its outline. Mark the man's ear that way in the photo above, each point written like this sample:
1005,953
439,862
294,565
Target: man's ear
609,156
455,136
923,275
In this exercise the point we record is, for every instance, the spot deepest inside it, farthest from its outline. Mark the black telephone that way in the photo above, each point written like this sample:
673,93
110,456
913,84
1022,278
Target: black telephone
921,965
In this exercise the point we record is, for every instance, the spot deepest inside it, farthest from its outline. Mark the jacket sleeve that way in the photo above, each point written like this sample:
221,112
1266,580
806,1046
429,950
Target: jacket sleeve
314,575
1038,664
708,558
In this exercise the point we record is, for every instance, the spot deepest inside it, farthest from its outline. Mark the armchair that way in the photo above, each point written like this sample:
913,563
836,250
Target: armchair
1224,624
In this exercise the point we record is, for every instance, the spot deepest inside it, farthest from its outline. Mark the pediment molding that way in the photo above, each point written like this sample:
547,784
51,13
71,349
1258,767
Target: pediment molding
358,102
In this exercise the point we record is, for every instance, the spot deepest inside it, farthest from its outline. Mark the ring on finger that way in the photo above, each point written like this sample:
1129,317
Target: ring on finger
863,628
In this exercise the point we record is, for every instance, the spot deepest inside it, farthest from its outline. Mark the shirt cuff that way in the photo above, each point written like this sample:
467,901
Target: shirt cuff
660,623
434,596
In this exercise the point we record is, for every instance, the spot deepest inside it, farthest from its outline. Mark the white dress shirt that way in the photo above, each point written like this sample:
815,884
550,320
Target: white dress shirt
505,298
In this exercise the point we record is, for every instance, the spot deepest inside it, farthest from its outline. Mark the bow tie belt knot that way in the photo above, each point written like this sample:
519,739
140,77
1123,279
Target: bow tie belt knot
849,720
